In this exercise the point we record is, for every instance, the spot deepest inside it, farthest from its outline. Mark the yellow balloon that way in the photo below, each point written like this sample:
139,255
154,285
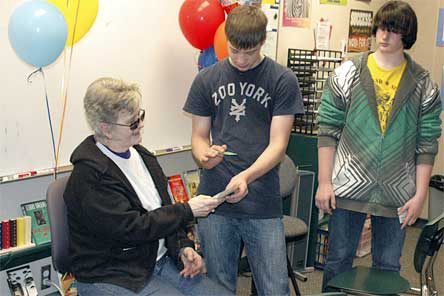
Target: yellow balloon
80,16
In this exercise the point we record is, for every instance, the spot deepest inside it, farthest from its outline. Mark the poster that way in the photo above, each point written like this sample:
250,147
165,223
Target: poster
360,30
270,46
296,13
440,34
337,2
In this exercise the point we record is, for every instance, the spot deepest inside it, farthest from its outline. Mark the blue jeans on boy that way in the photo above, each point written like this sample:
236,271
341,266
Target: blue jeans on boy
344,231
165,280
264,242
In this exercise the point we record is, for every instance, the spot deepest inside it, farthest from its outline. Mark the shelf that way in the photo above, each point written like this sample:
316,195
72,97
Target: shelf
16,258
312,68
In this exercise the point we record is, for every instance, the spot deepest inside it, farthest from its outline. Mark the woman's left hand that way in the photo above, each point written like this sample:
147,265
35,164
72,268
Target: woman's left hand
192,262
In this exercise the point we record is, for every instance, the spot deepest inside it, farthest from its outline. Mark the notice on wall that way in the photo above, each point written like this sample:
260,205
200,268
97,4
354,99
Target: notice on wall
323,33
360,30
336,2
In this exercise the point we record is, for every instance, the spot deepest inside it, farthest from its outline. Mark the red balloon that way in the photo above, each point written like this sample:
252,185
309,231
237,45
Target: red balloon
199,20
220,42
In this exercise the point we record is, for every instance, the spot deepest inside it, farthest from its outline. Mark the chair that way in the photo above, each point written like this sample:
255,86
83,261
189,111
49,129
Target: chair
369,281
295,229
59,225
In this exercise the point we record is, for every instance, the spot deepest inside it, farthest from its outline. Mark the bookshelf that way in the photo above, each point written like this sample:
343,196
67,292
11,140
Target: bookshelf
312,68
22,256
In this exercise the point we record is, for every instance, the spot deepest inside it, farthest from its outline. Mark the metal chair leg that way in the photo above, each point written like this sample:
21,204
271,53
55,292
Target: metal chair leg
293,278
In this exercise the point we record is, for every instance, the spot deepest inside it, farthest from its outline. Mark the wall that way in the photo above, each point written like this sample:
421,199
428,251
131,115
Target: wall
134,40
303,38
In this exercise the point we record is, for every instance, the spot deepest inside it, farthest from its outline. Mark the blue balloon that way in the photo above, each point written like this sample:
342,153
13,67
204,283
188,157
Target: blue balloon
37,31
206,58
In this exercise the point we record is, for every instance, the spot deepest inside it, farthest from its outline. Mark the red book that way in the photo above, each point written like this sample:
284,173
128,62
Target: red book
5,234
178,188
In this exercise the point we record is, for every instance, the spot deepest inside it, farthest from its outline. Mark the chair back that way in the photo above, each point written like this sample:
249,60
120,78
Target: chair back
429,243
287,176
59,225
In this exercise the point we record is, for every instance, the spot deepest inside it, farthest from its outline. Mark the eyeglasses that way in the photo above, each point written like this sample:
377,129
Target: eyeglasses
133,125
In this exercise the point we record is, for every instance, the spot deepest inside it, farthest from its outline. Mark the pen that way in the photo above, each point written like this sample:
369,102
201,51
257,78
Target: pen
229,153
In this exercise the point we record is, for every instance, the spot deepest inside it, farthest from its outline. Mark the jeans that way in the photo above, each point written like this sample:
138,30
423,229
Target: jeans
165,280
345,229
264,242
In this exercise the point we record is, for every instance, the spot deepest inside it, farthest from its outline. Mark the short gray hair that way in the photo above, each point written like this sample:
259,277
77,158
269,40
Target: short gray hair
106,97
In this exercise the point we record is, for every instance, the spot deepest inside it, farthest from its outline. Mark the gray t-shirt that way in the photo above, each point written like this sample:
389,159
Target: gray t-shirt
241,106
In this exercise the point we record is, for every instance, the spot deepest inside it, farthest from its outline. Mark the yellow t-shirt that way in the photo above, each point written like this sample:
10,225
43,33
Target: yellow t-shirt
386,83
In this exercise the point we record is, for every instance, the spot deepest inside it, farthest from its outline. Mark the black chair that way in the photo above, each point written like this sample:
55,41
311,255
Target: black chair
369,281
295,228
59,225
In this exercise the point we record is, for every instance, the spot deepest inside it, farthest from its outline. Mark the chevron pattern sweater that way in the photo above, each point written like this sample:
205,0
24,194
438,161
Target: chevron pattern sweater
375,172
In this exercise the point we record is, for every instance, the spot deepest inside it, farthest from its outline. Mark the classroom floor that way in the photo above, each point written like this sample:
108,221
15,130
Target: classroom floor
313,284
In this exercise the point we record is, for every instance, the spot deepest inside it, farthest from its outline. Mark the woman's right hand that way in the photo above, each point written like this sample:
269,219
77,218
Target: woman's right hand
202,205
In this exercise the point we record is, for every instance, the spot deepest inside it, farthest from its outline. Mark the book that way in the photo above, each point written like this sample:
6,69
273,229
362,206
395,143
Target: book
28,230
21,281
5,235
68,284
39,220
178,188
20,231
13,233
192,179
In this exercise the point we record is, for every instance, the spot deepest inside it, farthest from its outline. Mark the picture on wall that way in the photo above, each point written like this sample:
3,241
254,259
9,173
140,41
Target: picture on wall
440,31
360,30
296,13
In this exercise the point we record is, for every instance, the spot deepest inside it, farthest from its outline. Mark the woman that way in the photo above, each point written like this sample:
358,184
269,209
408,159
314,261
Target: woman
126,236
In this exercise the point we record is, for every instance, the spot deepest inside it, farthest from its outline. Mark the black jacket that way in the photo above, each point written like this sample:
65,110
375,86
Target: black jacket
112,238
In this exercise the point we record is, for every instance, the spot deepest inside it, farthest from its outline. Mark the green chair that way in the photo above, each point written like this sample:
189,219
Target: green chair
369,281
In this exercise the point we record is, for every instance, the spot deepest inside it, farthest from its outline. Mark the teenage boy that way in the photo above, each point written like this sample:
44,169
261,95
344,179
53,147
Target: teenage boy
244,104
378,129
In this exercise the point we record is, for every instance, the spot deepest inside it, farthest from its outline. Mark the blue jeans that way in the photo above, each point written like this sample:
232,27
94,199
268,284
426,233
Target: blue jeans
264,242
345,229
165,280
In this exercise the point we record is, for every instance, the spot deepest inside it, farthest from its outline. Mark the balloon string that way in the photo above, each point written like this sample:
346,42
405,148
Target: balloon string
29,79
65,84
